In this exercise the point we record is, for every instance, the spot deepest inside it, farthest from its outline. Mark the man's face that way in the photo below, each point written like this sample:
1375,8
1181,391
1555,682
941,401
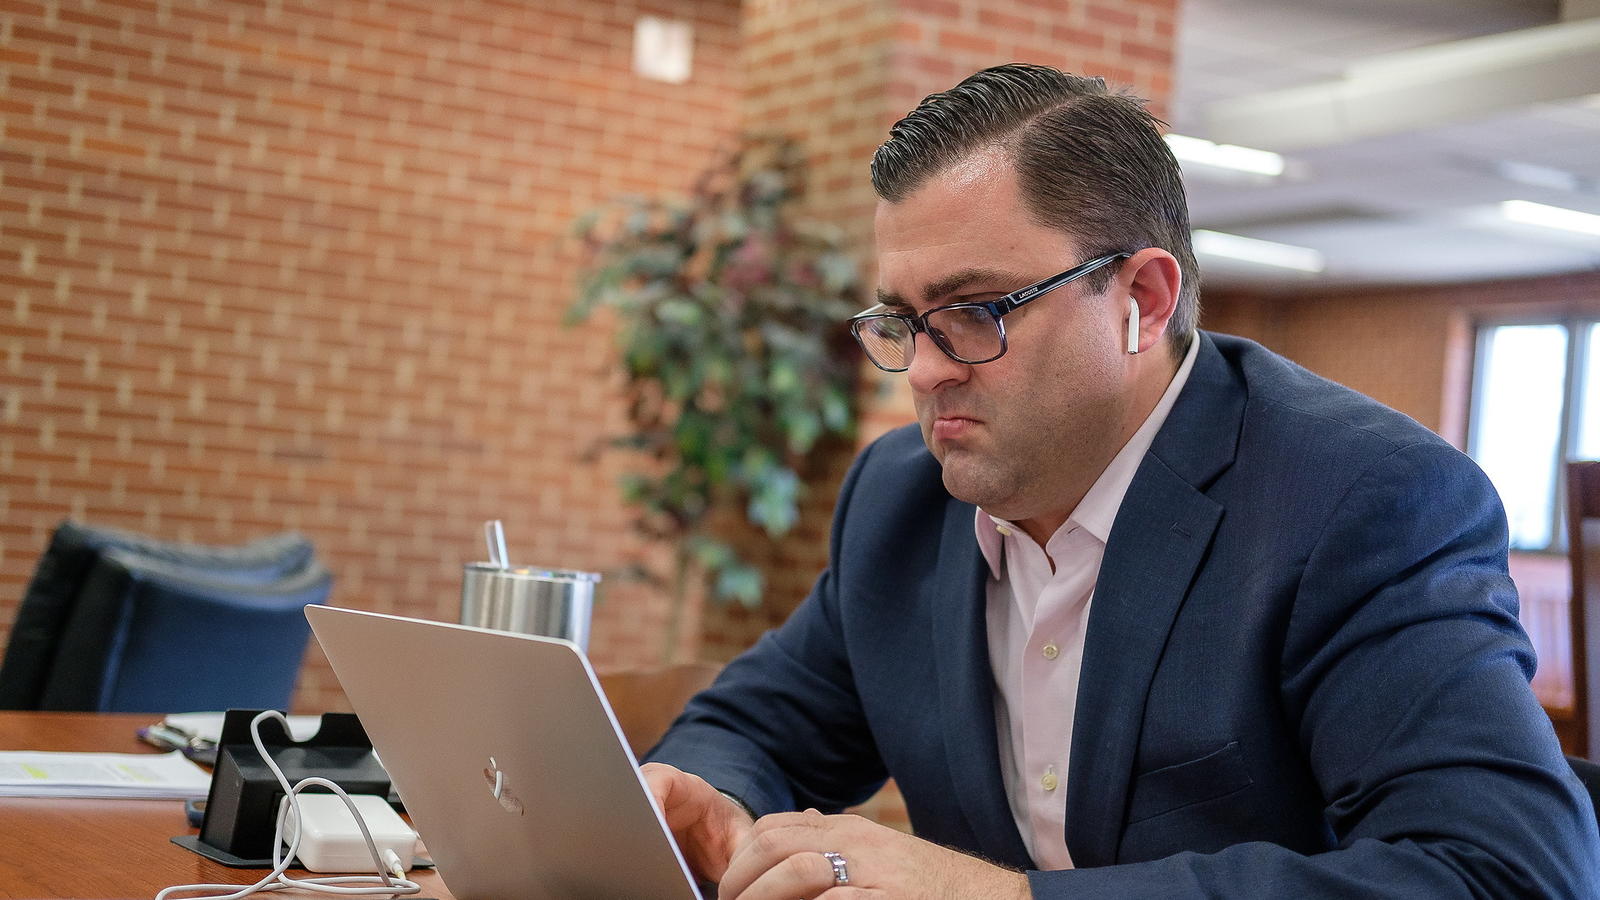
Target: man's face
1030,431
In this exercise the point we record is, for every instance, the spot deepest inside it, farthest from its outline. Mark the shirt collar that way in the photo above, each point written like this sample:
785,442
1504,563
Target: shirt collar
1098,509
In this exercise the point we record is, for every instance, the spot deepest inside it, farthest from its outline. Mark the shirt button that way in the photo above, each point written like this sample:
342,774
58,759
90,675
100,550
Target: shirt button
1051,651
1004,531
1048,782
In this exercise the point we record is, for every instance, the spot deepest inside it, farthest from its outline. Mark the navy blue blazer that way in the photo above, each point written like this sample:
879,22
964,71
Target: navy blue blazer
1303,672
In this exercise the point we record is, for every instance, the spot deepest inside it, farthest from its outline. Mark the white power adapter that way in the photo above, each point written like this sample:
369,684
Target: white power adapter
330,840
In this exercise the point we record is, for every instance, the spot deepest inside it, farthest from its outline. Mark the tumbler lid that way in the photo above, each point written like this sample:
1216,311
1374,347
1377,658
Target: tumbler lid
533,572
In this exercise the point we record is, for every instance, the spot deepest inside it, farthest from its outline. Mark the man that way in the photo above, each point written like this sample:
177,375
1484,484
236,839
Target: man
1143,611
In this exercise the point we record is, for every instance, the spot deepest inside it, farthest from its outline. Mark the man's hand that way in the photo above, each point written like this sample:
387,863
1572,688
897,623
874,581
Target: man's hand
782,859
706,824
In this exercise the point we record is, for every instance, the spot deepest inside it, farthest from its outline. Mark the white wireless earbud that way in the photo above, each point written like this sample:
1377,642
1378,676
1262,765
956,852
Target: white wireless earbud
1133,325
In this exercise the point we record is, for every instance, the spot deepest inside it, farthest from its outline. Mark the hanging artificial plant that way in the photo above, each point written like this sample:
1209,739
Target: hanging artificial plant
736,361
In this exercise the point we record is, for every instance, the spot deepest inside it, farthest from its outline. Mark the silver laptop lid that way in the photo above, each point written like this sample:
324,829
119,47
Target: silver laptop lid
457,712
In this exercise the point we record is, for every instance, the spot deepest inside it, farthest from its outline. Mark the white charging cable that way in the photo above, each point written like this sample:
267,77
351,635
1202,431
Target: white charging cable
389,882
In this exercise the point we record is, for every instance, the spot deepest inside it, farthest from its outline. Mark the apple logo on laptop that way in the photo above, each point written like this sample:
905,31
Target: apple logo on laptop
500,790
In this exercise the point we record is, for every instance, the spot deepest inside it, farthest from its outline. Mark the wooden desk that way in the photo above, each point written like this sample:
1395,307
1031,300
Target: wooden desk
120,848
103,848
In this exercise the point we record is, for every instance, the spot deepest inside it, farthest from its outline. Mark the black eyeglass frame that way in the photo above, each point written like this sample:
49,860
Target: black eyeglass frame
996,309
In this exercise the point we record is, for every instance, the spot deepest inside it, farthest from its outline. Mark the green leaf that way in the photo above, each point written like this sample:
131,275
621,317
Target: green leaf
757,463
803,427
741,582
635,487
679,312
837,413
838,272
710,553
734,226
772,502
783,378
693,433
585,224
637,223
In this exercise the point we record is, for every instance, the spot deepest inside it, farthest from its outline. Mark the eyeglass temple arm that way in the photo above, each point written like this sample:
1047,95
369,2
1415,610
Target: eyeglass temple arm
1033,291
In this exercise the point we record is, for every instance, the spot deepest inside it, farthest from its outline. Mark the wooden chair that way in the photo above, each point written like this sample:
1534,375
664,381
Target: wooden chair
1583,523
646,701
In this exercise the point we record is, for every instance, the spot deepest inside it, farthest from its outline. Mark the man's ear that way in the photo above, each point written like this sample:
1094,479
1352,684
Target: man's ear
1152,279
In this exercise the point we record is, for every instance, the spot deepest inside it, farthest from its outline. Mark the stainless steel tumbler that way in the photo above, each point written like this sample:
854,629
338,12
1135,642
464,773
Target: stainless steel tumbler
550,602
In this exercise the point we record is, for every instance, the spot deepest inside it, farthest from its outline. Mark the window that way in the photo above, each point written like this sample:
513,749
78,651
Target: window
1535,404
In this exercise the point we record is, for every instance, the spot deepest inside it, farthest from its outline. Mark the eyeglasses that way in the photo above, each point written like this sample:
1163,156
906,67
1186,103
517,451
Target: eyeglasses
969,333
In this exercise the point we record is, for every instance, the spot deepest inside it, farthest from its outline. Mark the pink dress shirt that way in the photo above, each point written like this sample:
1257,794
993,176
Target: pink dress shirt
1036,619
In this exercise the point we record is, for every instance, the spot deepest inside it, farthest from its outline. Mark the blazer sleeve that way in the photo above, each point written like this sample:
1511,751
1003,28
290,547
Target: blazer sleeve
1406,671
782,727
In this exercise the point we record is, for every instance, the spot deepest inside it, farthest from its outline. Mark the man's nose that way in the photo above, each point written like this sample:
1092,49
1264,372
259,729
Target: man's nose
931,368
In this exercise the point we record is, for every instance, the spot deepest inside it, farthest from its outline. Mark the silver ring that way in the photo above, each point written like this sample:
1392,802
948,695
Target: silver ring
841,872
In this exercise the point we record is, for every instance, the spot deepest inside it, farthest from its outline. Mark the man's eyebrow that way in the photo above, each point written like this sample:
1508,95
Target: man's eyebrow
955,282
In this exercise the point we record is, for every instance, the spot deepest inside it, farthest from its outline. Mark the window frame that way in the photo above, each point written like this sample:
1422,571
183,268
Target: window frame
1580,329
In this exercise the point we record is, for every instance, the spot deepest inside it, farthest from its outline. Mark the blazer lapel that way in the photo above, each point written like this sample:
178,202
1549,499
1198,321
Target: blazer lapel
966,689
1157,543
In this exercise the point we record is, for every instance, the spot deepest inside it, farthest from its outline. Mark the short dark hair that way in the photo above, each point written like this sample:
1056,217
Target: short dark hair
1090,161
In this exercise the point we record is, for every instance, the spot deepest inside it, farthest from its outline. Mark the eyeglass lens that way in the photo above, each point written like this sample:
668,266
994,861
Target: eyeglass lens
887,340
967,333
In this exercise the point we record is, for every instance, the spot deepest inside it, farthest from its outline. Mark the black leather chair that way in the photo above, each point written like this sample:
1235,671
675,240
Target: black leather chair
1589,774
104,604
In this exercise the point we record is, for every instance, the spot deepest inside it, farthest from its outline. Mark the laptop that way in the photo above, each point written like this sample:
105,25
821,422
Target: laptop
508,758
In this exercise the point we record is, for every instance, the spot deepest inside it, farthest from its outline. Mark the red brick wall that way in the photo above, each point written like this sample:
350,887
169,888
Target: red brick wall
1410,348
1130,43
302,265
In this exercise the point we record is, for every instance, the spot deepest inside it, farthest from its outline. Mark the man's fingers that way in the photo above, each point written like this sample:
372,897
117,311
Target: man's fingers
659,779
662,777
677,790
706,825
803,874
809,820
790,844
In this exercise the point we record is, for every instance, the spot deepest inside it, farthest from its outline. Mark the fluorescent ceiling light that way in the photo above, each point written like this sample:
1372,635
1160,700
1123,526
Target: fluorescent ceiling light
1530,213
1412,90
1225,156
1254,250
1534,175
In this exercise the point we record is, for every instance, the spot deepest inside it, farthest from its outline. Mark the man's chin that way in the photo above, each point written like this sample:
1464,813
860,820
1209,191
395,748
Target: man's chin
967,479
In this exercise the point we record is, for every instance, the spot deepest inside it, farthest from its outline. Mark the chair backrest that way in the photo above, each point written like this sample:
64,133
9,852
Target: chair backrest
147,635
646,701
1589,774
46,607
1583,547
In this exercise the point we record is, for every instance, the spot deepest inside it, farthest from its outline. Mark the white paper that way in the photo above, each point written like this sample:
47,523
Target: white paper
208,725
29,773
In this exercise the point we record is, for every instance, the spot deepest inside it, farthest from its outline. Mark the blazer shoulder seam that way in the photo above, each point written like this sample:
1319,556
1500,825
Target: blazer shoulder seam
1377,433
